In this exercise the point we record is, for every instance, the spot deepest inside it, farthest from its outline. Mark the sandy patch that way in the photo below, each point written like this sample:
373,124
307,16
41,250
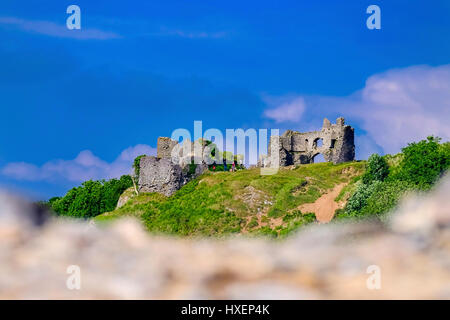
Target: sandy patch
325,206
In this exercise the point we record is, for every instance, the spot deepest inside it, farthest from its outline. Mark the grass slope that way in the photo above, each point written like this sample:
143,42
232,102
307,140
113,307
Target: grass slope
219,203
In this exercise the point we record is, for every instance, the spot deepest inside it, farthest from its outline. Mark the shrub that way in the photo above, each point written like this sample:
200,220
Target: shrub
376,198
377,169
192,168
359,199
417,167
424,162
137,165
386,196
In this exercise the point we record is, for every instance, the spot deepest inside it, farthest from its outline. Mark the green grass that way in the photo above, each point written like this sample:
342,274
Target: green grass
348,190
221,203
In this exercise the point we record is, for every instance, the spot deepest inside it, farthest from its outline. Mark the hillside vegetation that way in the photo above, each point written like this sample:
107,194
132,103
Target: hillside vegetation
387,179
222,203
219,203
91,198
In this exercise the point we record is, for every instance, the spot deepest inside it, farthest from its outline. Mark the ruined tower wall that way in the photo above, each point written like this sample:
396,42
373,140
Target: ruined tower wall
337,145
169,170
164,147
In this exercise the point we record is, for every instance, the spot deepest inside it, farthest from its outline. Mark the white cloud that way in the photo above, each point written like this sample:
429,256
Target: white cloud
56,30
84,167
404,105
286,111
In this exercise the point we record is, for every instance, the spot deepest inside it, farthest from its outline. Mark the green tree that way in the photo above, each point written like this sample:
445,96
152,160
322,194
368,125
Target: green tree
377,169
424,162
91,198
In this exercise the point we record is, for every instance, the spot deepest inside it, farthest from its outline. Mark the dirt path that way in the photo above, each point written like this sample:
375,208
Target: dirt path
325,206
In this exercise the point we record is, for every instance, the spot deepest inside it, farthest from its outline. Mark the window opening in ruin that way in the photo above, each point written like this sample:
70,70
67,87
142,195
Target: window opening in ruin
333,142
318,158
318,143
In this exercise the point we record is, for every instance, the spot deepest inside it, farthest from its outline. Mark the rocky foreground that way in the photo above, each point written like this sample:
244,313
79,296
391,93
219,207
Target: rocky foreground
411,253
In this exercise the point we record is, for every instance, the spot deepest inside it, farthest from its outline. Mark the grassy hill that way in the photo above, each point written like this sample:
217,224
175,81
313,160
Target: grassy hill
220,203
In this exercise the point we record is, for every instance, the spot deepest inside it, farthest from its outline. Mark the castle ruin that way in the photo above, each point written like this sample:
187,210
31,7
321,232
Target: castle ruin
172,167
336,142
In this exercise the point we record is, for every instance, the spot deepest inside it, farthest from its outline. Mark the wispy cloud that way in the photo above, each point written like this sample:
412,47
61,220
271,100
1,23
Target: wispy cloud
52,29
285,111
84,167
191,34
394,108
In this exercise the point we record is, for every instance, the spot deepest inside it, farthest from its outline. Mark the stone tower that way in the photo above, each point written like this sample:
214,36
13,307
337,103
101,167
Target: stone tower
170,169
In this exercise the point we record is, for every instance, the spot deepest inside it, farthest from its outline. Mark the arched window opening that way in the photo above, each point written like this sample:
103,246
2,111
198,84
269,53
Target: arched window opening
318,158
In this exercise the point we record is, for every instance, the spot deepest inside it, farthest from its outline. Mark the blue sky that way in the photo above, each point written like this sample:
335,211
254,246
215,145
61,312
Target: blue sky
80,104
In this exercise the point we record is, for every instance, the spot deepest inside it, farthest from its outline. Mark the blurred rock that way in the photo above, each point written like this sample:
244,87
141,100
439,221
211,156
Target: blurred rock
321,262
125,197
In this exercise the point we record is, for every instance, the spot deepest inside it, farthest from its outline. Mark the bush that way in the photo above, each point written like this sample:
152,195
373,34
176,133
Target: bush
137,165
377,198
417,167
377,169
385,197
424,162
359,199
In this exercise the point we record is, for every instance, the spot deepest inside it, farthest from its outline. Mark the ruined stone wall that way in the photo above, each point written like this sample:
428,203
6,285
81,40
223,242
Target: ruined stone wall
159,175
182,153
163,176
334,141
170,169
165,146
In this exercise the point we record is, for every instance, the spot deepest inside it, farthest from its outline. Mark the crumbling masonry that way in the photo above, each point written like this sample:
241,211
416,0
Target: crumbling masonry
335,142
170,169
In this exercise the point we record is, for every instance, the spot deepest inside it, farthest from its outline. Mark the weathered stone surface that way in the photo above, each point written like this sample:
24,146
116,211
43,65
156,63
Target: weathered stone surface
334,141
125,197
170,169
183,153
160,175
322,262
164,176
164,147
200,169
